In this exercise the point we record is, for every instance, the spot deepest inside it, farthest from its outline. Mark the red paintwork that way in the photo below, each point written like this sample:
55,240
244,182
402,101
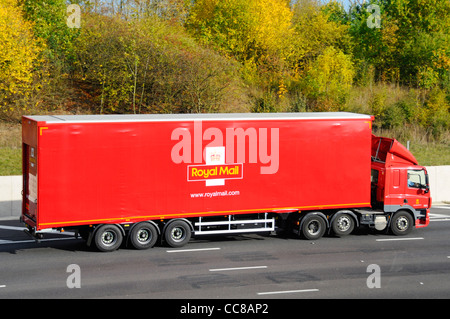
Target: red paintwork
394,161
391,152
122,171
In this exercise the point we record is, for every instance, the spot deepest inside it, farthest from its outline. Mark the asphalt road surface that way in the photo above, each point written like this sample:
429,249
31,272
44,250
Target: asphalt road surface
247,267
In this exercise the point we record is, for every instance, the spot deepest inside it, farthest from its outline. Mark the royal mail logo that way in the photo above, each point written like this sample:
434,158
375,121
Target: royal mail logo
227,145
214,172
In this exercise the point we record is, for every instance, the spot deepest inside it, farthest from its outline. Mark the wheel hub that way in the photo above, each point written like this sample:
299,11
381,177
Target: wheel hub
143,235
313,227
108,238
402,223
343,223
177,234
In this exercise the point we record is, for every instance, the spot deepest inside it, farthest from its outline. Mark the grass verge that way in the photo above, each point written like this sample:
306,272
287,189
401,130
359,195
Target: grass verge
10,161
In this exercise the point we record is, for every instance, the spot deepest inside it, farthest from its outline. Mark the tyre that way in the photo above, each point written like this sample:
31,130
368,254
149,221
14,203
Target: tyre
143,235
313,227
342,225
108,238
177,233
402,223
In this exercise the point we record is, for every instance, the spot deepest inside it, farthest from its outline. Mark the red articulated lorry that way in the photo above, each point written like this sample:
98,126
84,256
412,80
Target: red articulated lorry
134,179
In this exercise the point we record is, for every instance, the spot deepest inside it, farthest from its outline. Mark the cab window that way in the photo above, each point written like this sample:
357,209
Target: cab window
417,179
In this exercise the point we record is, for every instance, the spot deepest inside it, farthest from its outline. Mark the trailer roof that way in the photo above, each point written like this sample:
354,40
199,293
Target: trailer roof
191,117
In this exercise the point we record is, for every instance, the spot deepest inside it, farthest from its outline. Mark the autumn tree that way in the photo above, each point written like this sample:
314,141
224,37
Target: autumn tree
322,61
318,27
328,80
245,29
149,66
49,20
411,46
19,55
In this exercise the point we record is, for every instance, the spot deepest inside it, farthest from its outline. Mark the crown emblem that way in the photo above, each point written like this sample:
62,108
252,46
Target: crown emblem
215,157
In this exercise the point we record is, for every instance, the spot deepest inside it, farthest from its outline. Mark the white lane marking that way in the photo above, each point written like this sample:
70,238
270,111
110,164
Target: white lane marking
441,207
438,215
2,286
189,250
439,218
238,268
399,239
286,291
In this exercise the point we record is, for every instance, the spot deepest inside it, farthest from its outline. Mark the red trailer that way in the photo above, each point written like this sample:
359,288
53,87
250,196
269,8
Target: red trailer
171,176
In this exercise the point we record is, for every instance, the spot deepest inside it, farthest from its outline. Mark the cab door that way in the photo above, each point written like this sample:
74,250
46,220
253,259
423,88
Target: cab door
417,188
394,191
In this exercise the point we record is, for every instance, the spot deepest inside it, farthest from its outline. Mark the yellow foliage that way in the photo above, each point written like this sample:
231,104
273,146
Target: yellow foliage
18,51
330,75
245,29
272,25
314,31
441,60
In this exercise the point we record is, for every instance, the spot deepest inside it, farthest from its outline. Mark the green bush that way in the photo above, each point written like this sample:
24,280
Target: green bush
150,66
393,116
435,115
265,103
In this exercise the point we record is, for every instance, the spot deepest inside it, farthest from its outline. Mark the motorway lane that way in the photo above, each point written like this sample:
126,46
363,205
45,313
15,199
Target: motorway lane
246,266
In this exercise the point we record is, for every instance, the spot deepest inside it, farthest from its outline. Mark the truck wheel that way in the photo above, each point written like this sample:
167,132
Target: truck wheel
401,223
177,233
313,227
143,235
108,238
343,225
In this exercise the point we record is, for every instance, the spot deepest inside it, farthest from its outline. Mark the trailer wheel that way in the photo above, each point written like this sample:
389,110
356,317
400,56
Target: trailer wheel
177,233
313,227
342,225
108,238
402,223
143,235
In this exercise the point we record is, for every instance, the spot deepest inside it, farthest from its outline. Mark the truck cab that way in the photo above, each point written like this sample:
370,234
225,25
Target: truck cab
399,185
